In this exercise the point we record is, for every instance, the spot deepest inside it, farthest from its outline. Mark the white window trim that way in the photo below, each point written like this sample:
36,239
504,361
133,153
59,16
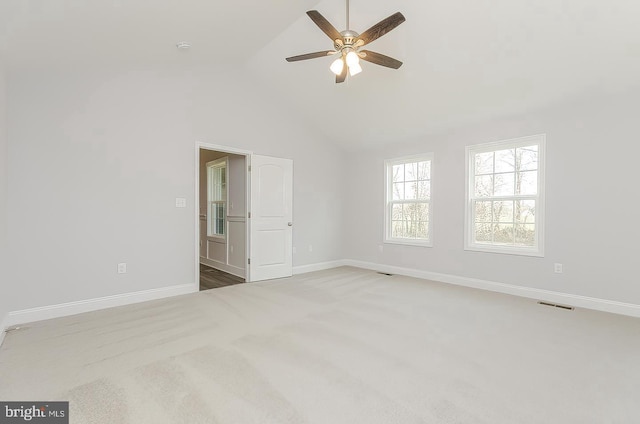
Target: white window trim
387,239
538,249
218,163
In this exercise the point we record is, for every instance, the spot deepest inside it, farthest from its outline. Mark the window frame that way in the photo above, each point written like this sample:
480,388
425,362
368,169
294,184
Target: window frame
211,166
388,184
469,230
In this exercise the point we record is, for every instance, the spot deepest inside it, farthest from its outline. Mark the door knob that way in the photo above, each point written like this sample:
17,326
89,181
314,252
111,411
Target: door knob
290,224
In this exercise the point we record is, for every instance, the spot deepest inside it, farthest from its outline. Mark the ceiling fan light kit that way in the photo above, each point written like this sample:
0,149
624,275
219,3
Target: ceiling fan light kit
348,43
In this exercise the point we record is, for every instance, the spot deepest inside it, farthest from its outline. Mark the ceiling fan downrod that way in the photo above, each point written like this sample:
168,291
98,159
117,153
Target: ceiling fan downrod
347,1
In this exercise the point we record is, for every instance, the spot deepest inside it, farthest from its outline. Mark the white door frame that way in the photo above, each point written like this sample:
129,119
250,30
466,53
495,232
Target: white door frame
225,149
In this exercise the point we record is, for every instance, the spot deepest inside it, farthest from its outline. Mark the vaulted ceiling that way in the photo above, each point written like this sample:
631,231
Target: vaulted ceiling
464,60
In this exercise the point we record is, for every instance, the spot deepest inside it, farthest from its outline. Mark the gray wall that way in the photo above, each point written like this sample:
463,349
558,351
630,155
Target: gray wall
591,201
4,301
97,158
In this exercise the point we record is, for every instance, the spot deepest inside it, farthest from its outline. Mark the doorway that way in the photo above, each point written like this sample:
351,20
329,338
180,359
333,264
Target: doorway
244,216
223,226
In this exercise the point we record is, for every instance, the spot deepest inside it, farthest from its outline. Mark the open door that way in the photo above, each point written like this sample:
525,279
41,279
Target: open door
271,218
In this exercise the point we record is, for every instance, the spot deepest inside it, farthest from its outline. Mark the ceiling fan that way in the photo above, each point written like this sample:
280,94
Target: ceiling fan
348,43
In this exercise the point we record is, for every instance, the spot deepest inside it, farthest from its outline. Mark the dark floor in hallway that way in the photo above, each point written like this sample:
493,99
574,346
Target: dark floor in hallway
211,278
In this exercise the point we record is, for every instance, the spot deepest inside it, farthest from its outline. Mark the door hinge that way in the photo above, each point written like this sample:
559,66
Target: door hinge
249,168
249,214
249,261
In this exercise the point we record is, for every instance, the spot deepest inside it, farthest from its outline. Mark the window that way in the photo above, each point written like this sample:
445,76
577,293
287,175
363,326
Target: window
505,186
216,197
408,200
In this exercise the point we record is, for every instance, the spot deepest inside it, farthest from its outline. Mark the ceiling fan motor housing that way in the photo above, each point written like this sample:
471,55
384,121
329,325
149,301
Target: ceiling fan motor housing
349,37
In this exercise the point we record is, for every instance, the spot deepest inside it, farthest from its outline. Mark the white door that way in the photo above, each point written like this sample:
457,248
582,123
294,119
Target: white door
271,220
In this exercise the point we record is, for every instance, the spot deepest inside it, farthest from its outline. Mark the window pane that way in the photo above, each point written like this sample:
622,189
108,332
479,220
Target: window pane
503,233
219,218
483,233
525,235
410,229
410,213
397,230
483,211
503,211
504,184
411,171
525,212
527,158
484,186
422,230
398,191
396,212
411,190
424,170
484,163
527,182
398,173
419,211
505,160
424,189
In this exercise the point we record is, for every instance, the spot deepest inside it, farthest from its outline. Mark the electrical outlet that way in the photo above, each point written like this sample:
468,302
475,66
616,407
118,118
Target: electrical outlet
122,268
310,248
557,268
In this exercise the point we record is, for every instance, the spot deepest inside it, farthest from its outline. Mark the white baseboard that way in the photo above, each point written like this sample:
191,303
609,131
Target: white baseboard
578,301
303,269
72,308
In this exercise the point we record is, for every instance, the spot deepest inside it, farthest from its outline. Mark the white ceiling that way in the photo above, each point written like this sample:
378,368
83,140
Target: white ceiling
464,60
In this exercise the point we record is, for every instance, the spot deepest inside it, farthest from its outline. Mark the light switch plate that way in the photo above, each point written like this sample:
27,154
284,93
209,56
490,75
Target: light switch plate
181,202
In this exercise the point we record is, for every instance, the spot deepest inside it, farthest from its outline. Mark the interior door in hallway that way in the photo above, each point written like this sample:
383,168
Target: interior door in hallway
271,220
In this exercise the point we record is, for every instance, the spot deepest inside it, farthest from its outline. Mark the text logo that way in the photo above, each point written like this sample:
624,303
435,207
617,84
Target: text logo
34,412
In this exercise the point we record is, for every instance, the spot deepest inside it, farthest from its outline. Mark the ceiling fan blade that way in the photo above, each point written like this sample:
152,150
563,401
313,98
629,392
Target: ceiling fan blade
381,28
380,59
324,25
311,55
343,75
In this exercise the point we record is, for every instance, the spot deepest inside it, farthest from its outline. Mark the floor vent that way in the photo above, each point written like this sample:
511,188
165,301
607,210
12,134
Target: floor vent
385,273
569,308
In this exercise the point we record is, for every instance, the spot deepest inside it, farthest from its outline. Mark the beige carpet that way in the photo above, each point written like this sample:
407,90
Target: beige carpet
337,346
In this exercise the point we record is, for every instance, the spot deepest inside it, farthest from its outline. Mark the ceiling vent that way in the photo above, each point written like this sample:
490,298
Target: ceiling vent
554,305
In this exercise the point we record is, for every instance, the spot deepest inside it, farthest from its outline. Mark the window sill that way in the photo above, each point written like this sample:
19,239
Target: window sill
505,250
409,242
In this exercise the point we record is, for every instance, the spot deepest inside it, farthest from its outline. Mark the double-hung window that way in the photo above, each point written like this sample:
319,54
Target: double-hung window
216,197
505,196
408,200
